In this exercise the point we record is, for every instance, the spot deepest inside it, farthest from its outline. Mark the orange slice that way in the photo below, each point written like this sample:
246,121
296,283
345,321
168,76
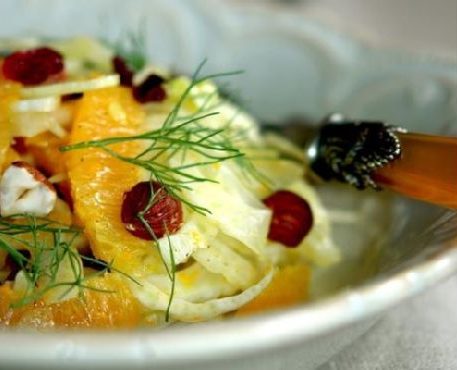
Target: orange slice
10,156
9,92
289,287
48,158
117,308
45,151
99,181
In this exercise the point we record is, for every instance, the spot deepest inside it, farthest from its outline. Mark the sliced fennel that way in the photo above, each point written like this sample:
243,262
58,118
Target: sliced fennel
81,52
30,124
71,87
154,298
47,104
183,244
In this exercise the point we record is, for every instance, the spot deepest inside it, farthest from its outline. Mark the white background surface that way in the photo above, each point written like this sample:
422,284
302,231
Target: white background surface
426,26
420,335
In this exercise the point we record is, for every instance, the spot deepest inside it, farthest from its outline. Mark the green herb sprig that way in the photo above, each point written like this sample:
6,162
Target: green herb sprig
179,135
132,48
48,244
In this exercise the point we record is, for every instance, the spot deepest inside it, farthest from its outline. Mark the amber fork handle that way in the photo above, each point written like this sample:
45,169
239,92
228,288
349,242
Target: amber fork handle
426,170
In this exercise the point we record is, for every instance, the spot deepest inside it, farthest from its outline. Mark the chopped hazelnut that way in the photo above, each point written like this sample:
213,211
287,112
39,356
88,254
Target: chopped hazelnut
24,189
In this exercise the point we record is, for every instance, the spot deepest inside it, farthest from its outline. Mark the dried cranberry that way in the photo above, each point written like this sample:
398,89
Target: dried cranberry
12,266
292,218
32,67
165,214
64,191
90,261
71,97
150,90
19,145
122,69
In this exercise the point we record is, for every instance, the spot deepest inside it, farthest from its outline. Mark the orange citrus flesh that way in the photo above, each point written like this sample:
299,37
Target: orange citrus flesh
115,307
50,160
9,92
99,181
289,287
45,150
10,156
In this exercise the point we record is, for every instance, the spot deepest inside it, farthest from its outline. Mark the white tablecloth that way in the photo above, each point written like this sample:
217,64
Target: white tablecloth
420,334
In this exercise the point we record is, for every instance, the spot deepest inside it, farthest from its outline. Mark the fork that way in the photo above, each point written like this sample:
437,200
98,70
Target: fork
369,154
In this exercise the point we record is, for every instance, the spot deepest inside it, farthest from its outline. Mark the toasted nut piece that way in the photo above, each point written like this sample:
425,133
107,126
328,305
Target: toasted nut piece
24,189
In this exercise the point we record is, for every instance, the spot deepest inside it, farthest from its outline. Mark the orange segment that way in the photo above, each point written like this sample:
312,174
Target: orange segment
96,309
9,92
289,287
99,181
45,151
48,158
10,156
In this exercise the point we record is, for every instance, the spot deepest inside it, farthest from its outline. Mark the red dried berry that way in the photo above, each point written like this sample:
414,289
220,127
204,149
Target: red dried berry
292,218
11,265
124,72
165,214
64,191
71,97
150,90
32,67
19,145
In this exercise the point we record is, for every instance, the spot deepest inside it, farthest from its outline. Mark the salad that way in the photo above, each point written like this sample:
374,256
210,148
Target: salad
133,196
